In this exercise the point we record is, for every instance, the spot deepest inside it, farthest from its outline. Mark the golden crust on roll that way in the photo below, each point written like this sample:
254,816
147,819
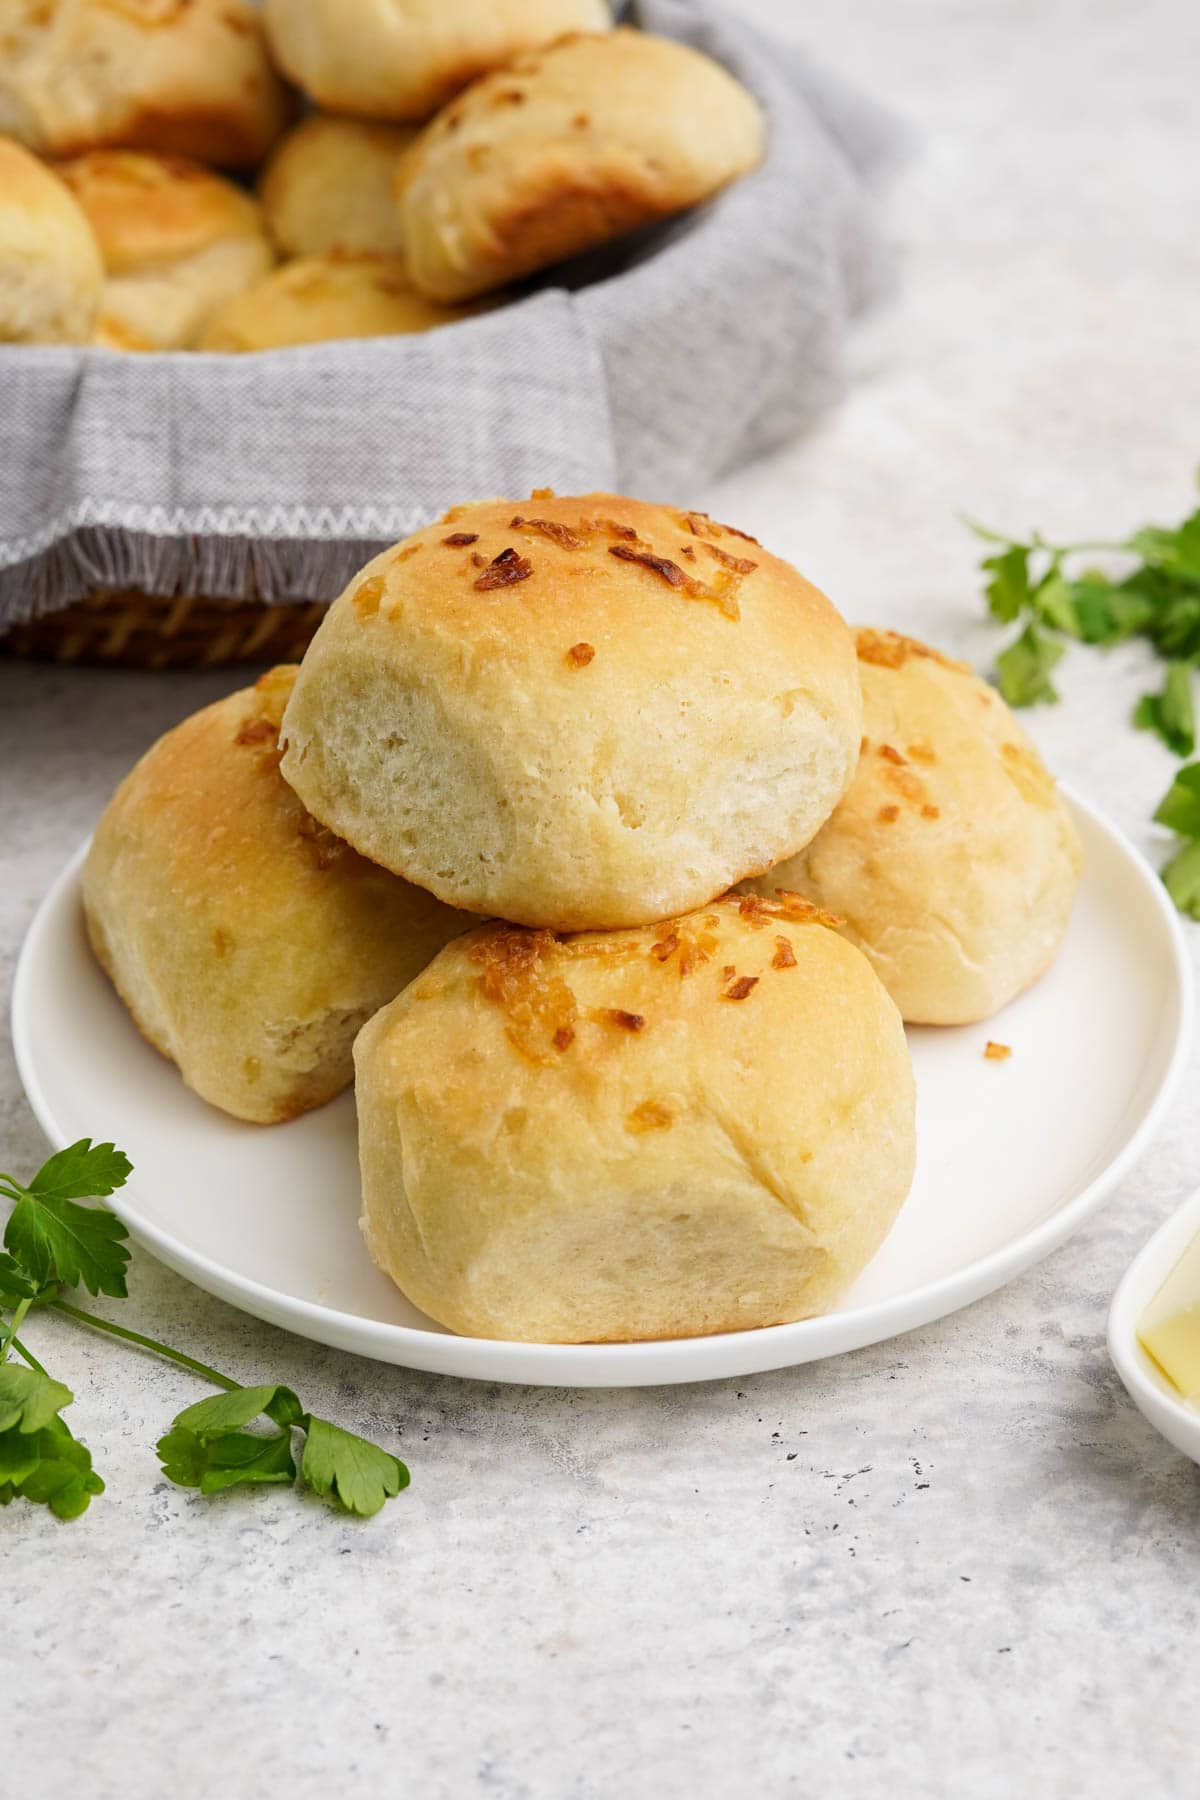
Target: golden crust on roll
576,712
247,942
177,241
187,77
402,60
703,1126
953,859
317,298
565,150
330,185
50,268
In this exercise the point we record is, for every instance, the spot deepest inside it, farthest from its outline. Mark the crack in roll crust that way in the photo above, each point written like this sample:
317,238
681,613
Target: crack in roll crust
533,728
570,1138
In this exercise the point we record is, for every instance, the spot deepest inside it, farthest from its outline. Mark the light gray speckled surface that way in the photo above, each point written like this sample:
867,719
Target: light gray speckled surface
956,1564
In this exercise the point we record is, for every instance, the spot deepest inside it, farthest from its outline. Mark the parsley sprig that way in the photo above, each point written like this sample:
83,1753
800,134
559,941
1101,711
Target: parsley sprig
1055,593
1179,811
240,1436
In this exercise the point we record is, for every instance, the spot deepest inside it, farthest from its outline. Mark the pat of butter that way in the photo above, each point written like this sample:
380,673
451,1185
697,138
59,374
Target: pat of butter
1170,1327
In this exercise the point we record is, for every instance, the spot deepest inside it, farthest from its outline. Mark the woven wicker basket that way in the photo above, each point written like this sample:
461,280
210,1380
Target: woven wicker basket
151,631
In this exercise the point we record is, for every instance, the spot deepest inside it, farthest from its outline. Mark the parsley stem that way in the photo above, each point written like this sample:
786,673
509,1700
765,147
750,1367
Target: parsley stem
28,1355
9,1331
147,1343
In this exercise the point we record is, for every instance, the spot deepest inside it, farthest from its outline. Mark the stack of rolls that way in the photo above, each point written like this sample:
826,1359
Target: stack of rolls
453,150
616,861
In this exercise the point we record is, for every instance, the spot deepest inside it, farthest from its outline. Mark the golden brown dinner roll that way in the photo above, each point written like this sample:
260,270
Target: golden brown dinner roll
403,59
176,240
247,942
188,77
321,297
331,186
578,713
50,268
953,859
702,1126
566,149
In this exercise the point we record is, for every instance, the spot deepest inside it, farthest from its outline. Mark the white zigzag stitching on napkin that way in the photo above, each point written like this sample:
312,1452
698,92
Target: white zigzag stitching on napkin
325,524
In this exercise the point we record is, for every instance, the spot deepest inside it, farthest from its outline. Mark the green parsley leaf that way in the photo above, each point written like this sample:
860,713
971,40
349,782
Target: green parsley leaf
29,1399
1179,808
223,1413
1008,591
14,1283
207,1447
83,1171
224,1462
20,1454
52,1238
1174,628
343,1467
246,1457
1171,714
1111,611
62,1477
1024,668
184,1457
1179,811
52,1242
1054,602
56,1240
1177,551
1182,879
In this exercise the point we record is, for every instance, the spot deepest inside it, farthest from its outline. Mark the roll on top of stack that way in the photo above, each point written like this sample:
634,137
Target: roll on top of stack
576,712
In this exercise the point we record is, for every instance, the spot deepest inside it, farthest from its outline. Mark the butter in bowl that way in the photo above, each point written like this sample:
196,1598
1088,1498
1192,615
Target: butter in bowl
1154,1329
1170,1327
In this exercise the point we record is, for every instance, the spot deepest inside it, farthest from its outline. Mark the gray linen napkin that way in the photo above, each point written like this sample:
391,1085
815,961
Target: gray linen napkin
277,475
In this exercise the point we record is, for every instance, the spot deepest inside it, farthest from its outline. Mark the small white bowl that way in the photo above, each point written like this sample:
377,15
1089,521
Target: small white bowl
1154,1396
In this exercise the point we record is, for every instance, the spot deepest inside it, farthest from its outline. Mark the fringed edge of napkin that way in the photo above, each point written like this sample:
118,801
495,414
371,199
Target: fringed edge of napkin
96,559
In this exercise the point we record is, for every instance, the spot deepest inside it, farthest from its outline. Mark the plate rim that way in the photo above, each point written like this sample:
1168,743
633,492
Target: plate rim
654,1362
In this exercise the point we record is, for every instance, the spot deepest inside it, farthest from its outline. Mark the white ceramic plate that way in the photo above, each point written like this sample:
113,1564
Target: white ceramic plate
1013,1155
1149,1389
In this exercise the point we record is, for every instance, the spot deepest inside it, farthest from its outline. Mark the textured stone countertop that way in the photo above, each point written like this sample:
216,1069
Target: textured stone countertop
958,1563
